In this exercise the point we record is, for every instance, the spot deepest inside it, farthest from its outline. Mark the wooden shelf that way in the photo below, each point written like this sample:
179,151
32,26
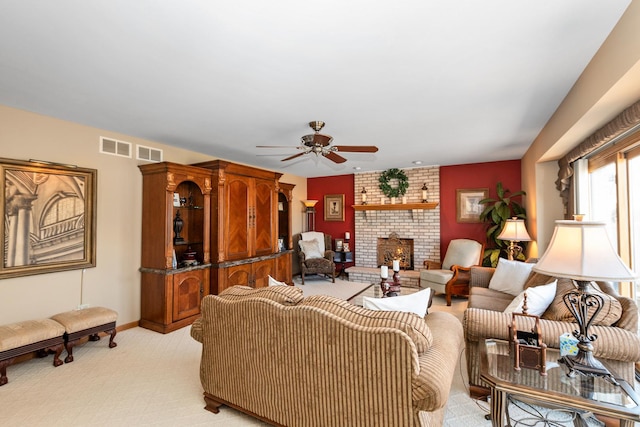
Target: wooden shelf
396,207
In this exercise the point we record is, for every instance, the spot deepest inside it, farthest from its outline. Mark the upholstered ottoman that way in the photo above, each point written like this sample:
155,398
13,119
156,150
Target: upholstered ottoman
25,337
87,322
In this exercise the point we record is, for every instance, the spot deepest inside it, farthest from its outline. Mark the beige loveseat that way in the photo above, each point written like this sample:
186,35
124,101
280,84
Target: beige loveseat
618,345
321,361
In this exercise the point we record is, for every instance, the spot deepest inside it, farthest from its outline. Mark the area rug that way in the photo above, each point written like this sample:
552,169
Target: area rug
317,285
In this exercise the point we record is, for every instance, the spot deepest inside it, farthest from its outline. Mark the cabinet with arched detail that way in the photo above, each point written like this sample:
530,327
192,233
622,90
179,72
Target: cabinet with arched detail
176,257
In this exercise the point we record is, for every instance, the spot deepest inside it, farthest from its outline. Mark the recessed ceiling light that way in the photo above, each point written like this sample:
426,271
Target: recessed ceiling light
417,162
357,168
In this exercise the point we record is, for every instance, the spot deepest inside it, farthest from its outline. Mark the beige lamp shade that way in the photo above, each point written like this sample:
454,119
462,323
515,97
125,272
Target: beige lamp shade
515,230
582,250
309,203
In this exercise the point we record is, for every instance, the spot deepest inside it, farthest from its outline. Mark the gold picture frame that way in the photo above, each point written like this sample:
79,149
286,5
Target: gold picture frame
334,207
467,207
49,213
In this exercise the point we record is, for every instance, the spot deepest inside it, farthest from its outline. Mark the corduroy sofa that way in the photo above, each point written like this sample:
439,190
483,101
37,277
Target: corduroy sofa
320,361
617,345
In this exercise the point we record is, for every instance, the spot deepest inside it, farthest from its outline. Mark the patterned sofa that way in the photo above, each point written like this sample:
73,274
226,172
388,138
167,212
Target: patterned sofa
617,345
320,361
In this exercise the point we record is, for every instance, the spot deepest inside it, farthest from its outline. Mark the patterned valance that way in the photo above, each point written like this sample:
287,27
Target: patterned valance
616,127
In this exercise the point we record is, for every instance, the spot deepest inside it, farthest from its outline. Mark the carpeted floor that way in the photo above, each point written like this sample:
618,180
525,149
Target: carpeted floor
153,379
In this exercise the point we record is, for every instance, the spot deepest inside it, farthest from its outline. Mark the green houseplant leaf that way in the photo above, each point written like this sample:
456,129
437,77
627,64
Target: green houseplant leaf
495,214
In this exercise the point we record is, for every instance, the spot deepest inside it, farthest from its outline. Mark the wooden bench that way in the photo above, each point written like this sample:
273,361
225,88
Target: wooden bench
86,322
41,336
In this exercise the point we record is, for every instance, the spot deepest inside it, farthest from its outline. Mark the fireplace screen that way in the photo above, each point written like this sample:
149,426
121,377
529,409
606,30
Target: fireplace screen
394,247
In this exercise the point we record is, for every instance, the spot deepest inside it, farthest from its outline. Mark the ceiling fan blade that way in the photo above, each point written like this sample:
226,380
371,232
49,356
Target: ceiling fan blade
293,157
322,140
334,157
356,148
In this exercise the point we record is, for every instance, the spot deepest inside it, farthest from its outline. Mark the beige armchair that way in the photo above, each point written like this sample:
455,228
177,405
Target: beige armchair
452,276
314,254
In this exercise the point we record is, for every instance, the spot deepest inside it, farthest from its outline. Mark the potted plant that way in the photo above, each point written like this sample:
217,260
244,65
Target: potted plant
496,212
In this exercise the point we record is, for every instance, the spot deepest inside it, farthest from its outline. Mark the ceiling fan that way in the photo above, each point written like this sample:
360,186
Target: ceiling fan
320,144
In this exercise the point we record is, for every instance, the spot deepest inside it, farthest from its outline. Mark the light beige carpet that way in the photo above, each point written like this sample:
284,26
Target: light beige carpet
150,379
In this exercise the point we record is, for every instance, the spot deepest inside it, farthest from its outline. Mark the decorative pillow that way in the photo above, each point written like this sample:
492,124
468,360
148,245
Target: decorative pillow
610,313
413,303
412,325
310,249
538,299
285,295
318,235
274,282
510,276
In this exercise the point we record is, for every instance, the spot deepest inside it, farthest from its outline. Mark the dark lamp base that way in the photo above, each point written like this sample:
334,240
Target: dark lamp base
592,368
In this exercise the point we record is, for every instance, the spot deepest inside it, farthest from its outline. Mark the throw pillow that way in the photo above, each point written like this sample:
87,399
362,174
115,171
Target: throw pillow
414,303
310,249
274,282
610,313
538,299
285,295
510,276
318,235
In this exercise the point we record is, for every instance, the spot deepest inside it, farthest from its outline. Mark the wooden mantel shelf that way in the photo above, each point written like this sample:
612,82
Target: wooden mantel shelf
395,207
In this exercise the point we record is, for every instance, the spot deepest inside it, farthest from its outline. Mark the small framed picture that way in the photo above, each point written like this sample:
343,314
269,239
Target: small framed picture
468,208
176,200
334,207
339,245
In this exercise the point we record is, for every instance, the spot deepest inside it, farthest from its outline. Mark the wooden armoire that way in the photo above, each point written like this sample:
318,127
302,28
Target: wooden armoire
244,226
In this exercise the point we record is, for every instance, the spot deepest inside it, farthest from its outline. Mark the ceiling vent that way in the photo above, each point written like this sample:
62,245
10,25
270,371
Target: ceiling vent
115,147
149,154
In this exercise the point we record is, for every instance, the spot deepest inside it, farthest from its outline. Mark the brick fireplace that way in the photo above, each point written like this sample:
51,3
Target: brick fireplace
422,226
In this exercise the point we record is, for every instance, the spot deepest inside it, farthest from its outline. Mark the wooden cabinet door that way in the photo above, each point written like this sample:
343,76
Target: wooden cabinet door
238,275
237,217
264,221
283,267
261,272
188,290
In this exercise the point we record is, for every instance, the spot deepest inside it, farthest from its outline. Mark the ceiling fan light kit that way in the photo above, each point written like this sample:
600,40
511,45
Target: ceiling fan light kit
320,144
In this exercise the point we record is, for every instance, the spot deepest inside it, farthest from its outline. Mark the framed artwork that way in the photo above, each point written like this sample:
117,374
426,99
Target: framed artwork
468,208
49,213
334,207
339,245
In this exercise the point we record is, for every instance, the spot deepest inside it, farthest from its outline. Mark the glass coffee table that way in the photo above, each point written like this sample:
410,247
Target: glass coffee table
555,390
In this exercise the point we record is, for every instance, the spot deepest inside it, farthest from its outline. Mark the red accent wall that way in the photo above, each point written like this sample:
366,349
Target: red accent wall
317,188
474,175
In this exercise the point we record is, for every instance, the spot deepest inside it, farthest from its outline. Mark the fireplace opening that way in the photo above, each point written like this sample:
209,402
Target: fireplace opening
392,248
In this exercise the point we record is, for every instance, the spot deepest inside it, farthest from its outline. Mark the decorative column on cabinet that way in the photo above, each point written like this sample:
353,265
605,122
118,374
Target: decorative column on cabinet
284,267
176,255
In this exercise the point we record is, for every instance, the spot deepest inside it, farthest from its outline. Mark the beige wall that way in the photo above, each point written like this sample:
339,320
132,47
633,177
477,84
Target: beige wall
115,282
609,84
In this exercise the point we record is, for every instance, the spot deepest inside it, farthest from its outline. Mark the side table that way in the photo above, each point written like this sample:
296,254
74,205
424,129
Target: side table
341,258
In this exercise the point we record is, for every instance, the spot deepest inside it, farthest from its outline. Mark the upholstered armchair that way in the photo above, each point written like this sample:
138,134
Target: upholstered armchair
452,276
314,254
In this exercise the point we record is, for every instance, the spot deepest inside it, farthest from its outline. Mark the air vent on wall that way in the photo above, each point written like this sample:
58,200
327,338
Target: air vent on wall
149,154
115,147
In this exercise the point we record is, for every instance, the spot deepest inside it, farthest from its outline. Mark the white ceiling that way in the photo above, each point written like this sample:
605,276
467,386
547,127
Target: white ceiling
443,82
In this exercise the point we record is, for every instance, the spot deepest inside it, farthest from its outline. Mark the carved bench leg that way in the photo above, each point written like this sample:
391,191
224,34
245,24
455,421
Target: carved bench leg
111,332
3,370
69,346
57,351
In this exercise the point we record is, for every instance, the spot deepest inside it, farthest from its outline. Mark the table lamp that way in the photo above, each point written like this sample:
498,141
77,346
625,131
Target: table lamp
582,251
514,231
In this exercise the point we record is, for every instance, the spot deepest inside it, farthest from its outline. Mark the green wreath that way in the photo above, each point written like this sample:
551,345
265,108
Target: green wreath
390,174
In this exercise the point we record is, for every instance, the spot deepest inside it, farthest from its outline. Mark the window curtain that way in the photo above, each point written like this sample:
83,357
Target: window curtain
622,123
